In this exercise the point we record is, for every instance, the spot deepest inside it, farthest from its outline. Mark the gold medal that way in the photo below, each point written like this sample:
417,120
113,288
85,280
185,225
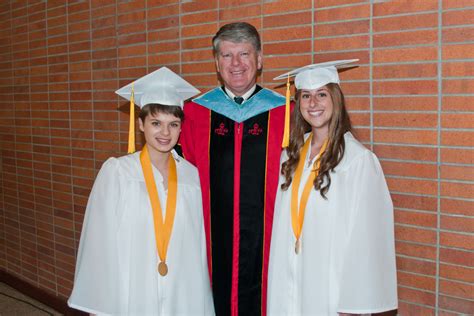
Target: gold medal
162,268
298,209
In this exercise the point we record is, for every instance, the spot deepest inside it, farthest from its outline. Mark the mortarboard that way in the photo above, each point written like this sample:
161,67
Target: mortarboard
161,86
312,76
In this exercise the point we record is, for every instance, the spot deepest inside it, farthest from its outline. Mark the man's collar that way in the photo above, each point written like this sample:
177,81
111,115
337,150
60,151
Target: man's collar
263,100
246,95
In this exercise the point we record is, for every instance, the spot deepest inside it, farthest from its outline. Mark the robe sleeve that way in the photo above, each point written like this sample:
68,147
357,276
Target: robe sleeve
368,281
186,136
209,302
96,282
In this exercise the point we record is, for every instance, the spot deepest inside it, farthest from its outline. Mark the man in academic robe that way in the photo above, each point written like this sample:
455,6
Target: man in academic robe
233,134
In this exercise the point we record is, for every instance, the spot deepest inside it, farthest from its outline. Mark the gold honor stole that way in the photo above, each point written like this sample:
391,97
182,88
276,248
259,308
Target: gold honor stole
297,214
162,231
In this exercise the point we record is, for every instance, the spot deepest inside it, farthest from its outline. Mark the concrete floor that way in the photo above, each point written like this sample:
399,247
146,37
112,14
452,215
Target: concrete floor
15,303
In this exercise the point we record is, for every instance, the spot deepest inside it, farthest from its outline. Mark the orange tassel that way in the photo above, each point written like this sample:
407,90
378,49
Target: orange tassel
286,133
131,130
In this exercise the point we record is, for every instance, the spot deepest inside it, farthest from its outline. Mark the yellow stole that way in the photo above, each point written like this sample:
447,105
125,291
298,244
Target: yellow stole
162,231
297,213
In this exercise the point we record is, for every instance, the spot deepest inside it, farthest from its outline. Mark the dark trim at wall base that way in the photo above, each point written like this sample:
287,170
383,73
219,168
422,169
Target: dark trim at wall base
38,294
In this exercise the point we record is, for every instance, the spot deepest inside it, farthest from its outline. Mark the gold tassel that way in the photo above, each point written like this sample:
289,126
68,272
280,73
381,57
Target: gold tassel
286,133
131,131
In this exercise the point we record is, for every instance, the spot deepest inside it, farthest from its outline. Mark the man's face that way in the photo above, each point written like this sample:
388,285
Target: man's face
238,64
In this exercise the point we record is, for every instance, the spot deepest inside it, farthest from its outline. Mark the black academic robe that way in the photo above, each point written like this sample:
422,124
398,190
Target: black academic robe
237,154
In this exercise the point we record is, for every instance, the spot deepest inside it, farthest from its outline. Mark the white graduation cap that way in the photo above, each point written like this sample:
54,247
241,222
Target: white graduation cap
310,77
316,75
161,86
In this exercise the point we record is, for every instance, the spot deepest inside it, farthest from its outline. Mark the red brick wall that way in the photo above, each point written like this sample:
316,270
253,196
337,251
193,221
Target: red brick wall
411,101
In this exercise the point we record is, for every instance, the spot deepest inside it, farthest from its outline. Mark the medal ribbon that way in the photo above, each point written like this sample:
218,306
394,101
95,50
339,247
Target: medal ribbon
162,231
297,214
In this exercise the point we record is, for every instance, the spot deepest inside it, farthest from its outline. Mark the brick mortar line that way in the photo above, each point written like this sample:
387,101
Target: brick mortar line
411,242
439,141
343,21
374,49
457,181
451,129
146,36
390,176
434,261
455,297
19,182
361,3
313,26
457,265
413,194
411,30
459,216
180,33
289,41
408,112
37,283
433,276
424,62
66,54
433,78
416,258
413,96
454,78
453,164
371,74
418,228
419,79
408,210
416,128
402,128
4,258
456,26
433,196
408,161
433,163
458,43
432,229
349,35
415,303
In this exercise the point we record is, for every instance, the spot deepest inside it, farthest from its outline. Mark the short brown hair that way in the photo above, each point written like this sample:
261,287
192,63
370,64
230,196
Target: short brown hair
154,108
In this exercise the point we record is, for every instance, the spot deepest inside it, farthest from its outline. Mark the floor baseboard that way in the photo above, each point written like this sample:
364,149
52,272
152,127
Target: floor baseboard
38,294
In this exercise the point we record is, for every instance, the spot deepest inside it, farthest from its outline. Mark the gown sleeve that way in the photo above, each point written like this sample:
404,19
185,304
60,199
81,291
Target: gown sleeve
96,282
185,138
209,302
368,280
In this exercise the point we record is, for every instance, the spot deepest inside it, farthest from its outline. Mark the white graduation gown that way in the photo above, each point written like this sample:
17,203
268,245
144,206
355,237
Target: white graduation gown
347,258
116,270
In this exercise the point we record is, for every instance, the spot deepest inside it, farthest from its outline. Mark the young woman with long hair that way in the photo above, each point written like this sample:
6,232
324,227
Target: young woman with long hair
332,249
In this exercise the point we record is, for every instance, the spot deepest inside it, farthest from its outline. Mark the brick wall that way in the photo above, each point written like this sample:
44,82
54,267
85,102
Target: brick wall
411,101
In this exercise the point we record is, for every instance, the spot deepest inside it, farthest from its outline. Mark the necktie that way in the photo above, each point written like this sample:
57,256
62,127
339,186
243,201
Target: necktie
238,100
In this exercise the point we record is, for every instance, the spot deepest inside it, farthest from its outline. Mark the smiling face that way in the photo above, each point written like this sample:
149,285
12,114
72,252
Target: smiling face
161,131
317,108
238,64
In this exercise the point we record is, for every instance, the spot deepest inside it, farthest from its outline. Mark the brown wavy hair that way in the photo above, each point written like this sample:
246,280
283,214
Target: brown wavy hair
339,124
